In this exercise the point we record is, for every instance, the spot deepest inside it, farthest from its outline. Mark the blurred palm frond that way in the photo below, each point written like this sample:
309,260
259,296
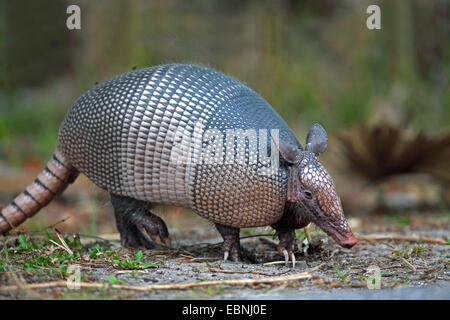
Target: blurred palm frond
384,150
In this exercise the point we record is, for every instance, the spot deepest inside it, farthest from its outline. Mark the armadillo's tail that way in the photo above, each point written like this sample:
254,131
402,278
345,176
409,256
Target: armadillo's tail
56,176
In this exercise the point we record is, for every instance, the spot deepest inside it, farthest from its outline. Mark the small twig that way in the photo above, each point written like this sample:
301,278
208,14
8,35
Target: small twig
257,235
272,263
181,286
389,246
408,264
244,272
317,267
205,259
54,225
192,259
382,268
131,271
401,238
197,260
269,242
283,262
82,237
63,244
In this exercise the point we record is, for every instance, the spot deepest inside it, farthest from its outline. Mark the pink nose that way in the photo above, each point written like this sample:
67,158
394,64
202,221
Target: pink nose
349,242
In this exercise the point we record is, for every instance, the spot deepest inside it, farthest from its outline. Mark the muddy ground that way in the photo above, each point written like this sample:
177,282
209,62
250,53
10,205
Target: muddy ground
413,264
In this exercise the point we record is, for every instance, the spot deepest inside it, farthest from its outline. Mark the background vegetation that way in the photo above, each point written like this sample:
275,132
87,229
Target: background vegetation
312,60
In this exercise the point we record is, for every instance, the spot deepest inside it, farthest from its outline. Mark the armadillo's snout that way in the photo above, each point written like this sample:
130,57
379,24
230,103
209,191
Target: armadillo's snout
349,242
335,225
340,232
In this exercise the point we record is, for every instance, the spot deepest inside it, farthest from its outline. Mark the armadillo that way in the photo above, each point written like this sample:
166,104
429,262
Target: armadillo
189,136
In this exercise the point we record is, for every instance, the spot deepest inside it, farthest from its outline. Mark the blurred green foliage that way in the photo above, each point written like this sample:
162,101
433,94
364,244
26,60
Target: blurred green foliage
26,129
312,60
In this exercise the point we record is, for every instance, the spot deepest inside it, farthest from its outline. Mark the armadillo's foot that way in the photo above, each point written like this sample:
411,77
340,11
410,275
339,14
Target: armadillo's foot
154,228
138,227
231,244
287,245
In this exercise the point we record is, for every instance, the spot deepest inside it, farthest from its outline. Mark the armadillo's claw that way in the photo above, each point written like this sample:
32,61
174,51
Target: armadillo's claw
138,227
286,257
287,245
231,251
225,256
154,237
293,259
168,243
156,232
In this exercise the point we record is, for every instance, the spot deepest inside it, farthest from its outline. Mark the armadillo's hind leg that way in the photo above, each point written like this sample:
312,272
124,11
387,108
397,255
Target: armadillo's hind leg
138,227
231,244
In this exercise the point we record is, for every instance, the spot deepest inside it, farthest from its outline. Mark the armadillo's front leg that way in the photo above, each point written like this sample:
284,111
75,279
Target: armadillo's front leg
138,227
231,244
287,245
292,219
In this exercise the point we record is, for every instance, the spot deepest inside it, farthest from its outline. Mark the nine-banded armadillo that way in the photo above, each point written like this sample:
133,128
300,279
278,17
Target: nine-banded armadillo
193,137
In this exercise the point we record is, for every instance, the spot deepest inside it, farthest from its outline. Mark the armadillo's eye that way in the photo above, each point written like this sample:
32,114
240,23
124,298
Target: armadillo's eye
308,194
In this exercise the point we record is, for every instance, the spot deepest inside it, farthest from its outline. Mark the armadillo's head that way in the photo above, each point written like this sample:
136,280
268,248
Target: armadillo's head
320,201
312,190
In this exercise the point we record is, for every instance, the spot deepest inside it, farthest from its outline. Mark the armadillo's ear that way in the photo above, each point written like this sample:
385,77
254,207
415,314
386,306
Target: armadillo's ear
317,139
289,152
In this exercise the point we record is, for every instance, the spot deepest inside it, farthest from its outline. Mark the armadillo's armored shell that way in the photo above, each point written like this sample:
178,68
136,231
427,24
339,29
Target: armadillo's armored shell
127,135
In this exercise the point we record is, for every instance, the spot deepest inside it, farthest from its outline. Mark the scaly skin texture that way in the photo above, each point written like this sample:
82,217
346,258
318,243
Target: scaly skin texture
129,136
139,136
53,180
